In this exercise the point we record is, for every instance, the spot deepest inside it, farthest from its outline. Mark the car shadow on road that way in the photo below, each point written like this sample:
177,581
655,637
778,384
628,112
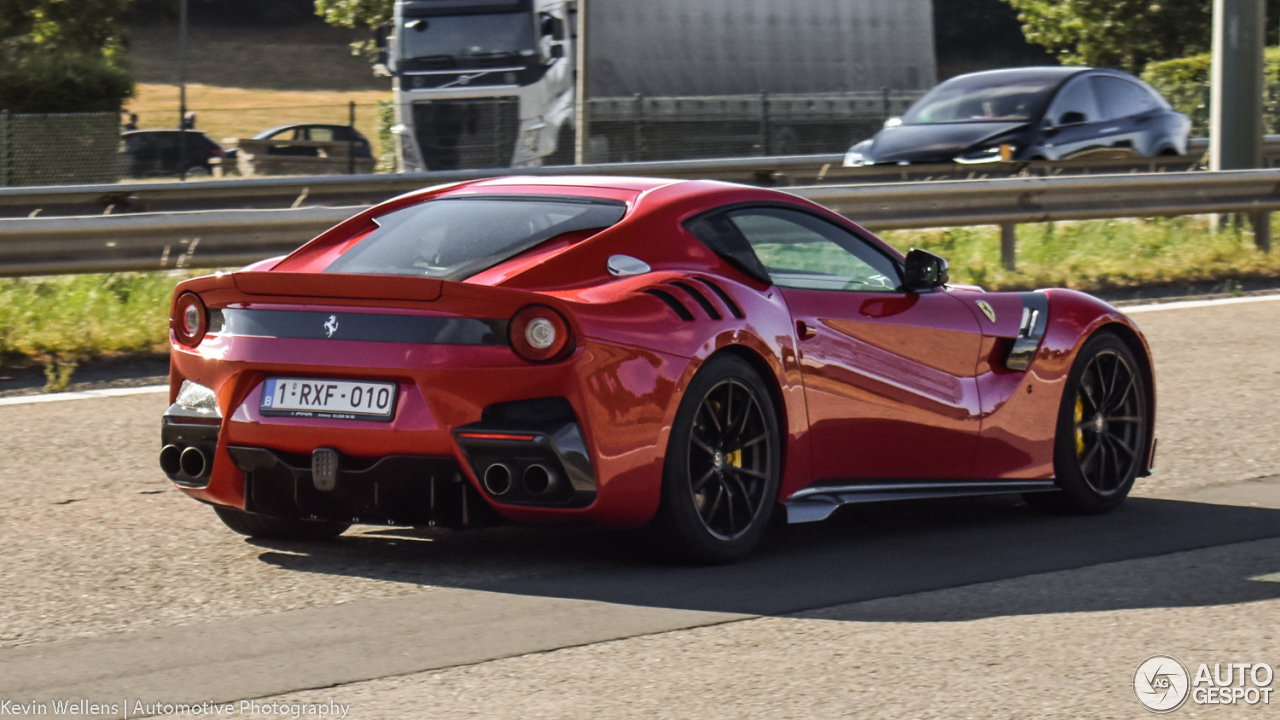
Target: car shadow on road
863,553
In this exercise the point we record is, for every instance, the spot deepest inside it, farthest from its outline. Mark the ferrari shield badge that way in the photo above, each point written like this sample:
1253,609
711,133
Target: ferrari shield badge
987,310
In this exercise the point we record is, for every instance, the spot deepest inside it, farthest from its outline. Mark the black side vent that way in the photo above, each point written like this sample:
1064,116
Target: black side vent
698,297
672,303
724,297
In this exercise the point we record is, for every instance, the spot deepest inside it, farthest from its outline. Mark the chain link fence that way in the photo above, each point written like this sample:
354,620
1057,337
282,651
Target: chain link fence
59,149
1192,100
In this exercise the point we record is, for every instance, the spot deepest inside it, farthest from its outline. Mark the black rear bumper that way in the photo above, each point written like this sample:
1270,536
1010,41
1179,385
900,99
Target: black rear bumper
406,490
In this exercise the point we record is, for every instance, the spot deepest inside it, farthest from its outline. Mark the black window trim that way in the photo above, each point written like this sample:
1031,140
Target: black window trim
725,209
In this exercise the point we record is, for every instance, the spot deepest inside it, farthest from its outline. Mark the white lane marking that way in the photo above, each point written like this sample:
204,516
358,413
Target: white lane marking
1187,304
1271,577
83,395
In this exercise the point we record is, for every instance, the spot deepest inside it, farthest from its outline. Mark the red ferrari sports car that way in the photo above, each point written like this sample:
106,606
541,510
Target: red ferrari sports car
617,351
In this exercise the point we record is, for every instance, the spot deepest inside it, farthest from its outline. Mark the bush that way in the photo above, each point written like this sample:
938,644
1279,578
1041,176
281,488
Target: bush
1197,69
49,83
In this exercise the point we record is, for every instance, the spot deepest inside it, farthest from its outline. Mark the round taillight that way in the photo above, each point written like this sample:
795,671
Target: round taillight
190,320
540,334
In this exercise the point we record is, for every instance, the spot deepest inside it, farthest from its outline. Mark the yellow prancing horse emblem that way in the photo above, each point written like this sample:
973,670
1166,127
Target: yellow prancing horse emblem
987,310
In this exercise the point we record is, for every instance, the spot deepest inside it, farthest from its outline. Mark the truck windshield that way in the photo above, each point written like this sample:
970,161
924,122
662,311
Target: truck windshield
468,36
455,238
981,100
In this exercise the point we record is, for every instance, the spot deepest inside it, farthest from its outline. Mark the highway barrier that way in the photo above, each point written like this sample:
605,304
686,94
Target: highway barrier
347,190
228,238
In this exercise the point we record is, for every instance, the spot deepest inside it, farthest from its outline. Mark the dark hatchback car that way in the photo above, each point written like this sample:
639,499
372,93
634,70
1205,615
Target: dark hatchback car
148,153
311,132
1039,113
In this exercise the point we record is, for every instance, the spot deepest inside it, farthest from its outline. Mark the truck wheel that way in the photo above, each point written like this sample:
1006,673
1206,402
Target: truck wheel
269,528
564,153
720,478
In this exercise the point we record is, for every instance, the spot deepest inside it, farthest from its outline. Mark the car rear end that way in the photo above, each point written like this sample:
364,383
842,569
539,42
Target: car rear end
332,386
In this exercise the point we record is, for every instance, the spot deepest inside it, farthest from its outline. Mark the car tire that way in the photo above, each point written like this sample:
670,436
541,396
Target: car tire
1102,433
723,463
269,528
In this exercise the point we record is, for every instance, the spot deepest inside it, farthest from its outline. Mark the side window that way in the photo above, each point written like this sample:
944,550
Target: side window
719,234
322,134
1121,98
1075,97
801,251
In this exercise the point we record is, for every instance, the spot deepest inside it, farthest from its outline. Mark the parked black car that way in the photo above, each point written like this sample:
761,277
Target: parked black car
313,132
149,153
1037,113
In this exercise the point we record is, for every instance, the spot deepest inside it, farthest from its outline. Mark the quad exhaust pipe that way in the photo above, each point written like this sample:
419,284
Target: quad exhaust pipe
498,479
540,480
190,462
171,459
537,480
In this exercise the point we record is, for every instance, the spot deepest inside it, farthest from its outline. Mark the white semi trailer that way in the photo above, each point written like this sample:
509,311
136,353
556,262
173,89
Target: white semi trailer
493,83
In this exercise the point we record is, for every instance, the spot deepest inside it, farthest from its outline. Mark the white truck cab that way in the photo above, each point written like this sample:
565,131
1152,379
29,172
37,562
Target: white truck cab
482,83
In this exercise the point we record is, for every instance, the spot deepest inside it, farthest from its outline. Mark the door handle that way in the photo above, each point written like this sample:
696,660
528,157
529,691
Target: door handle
804,331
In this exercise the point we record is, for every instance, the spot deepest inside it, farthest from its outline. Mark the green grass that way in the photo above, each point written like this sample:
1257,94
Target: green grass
64,320
1097,255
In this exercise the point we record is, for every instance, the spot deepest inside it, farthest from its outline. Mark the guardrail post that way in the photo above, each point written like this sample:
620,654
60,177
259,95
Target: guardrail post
1009,246
1261,222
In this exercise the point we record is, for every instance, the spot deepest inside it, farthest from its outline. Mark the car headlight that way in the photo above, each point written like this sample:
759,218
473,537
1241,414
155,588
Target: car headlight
197,398
995,153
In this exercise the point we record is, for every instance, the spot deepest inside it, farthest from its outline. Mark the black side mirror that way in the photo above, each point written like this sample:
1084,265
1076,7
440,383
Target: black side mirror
924,271
1072,118
557,50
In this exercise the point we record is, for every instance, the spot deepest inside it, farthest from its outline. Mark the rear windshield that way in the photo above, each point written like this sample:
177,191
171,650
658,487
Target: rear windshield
455,238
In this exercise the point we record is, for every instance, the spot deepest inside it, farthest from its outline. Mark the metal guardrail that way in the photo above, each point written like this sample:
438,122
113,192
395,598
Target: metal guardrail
346,190
225,238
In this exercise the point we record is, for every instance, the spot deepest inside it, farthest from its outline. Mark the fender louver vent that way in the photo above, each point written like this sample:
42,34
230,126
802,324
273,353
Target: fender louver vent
692,292
672,303
724,297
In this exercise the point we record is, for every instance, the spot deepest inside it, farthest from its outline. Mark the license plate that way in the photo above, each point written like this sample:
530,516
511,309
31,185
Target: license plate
321,398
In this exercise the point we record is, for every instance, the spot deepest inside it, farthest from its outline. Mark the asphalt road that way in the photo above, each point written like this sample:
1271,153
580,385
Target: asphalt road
119,590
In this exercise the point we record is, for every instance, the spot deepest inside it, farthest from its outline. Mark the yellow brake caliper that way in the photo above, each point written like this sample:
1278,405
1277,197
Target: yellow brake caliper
734,458
1079,419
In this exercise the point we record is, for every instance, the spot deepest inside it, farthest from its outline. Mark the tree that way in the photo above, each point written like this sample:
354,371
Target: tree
63,55
356,13
1121,34
81,27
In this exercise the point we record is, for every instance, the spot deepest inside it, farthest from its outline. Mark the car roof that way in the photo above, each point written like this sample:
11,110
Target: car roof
292,126
1017,74
159,131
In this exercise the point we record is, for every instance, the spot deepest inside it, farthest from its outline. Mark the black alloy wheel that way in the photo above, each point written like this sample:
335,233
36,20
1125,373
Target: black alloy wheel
723,462
1103,429
1108,423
